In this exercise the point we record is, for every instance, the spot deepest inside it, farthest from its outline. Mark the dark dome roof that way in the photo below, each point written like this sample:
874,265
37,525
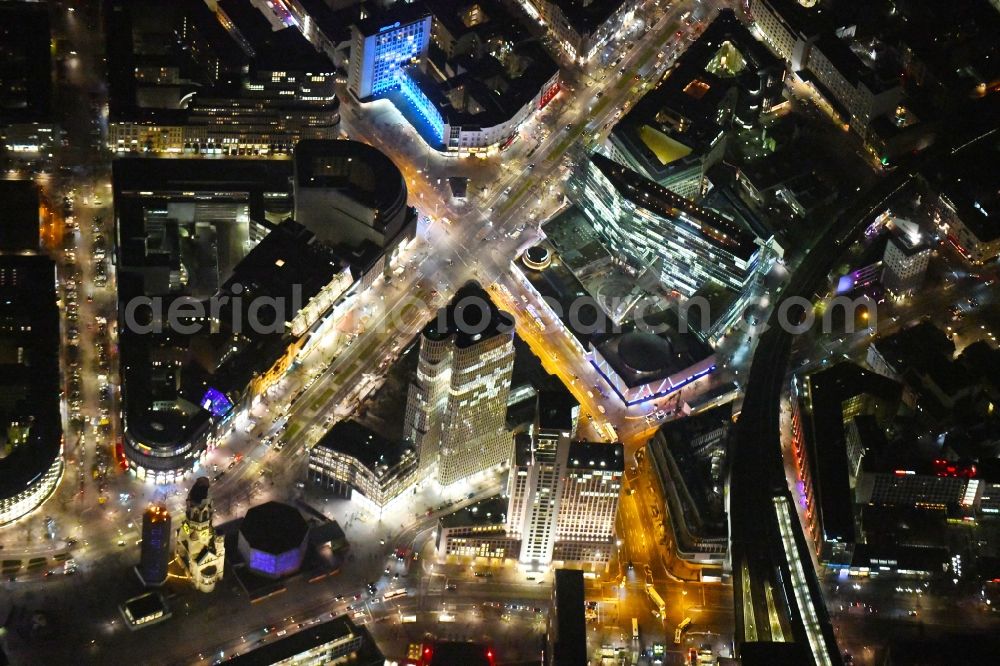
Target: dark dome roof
274,528
644,352
537,253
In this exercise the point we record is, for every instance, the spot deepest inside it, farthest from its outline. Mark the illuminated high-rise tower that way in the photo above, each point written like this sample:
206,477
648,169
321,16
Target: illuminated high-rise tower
563,494
456,408
154,555
382,46
533,486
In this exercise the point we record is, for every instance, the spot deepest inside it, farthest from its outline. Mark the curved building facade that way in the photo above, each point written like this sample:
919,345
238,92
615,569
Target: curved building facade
347,192
36,490
164,446
31,447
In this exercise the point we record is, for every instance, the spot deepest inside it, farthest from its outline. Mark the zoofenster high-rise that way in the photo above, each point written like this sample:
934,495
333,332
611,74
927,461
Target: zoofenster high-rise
537,469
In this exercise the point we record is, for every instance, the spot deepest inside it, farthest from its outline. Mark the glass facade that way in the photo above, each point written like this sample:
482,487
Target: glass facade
19,505
648,222
415,96
395,47
276,565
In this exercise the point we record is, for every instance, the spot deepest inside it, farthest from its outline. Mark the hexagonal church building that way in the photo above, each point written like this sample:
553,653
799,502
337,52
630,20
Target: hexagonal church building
273,539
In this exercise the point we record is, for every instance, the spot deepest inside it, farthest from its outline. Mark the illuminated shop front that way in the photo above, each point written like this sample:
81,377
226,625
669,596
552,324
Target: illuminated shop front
34,495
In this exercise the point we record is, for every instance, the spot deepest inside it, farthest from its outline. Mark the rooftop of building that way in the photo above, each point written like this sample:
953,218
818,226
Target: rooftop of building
491,511
483,91
682,435
527,379
288,647
467,653
19,227
163,177
639,357
726,55
909,244
402,13
972,190
828,391
359,171
904,558
598,456
557,283
274,527
855,70
375,452
25,52
471,317
199,53
808,21
284,50
960,53
285,265
145,605
696,444
648,195
29,371
570,617
924,351
484,18
555,409
335,24
586,16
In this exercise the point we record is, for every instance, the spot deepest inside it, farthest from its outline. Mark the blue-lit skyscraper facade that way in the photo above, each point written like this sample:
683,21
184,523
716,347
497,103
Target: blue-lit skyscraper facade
154,555
380,52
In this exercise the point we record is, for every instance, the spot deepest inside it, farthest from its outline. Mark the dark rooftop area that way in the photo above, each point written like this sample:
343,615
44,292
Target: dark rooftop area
25,62
639,357
367,446
274,527
311,637
973,190
471,317
145,605
488,511
597,456
569,649
586,16
555,409
401,11
829,389
459,653
361,172
19,230
29,370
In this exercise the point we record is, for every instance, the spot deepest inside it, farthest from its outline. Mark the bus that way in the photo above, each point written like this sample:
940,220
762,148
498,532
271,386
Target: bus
635,628
681,628
654,596
389,596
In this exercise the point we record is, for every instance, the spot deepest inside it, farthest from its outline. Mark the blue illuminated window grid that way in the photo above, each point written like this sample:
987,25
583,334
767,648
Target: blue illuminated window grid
393,49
